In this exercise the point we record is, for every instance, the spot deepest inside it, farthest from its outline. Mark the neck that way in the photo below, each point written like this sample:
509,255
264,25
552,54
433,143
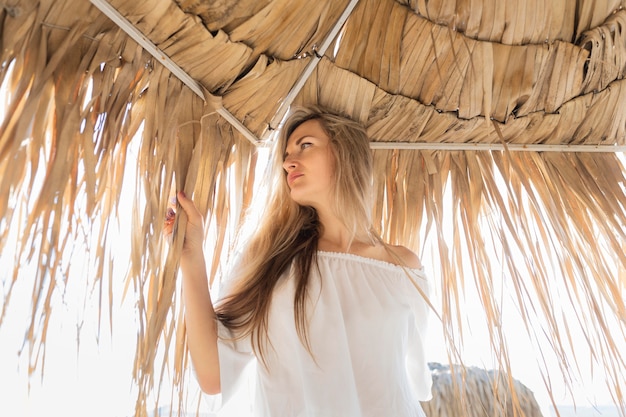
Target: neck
335,236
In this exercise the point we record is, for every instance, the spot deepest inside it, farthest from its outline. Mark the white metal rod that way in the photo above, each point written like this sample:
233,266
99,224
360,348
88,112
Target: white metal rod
168,63
230,118
497,147
147,44
308,70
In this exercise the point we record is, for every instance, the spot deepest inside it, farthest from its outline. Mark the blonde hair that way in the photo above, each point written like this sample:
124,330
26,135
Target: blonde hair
288,233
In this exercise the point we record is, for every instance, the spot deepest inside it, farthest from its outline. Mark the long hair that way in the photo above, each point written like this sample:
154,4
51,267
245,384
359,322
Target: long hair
289,233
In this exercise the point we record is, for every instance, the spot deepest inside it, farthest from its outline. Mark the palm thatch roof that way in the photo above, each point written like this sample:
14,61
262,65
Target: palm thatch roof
497,129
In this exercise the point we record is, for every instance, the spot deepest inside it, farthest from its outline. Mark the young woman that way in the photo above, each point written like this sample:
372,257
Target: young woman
333,318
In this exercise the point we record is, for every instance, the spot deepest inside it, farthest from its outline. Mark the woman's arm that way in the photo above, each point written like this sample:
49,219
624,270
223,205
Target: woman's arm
200,320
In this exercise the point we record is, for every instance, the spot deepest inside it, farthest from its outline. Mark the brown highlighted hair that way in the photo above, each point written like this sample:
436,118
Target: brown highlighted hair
289,233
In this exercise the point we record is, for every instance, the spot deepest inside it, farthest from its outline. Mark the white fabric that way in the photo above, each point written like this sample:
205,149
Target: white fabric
367,324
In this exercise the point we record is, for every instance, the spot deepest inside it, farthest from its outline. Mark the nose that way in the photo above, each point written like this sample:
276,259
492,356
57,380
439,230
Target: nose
289,163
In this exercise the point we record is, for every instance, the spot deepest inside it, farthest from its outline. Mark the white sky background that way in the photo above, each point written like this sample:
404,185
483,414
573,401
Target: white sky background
587,390
93,377
86,375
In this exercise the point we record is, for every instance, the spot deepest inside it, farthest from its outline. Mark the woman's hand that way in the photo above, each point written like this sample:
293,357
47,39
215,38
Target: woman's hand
194,234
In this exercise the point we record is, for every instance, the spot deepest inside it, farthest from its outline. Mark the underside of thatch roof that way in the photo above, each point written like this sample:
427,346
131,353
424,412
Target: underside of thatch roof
497,127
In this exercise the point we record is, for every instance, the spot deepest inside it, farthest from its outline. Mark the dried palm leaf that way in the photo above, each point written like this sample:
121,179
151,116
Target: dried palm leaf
434,64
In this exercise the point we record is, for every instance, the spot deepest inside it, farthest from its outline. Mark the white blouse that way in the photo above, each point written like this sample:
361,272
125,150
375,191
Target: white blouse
367,324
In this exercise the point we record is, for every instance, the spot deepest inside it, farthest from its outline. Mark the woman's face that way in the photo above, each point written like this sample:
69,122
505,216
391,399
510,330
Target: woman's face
309,164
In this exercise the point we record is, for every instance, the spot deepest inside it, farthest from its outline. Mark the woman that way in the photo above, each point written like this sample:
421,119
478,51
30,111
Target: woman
334,317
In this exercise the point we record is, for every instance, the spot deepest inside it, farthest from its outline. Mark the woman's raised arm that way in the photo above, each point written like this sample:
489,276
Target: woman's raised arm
200,320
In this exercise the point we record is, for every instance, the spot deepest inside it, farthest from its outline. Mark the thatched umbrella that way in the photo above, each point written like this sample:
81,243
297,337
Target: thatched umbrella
503,119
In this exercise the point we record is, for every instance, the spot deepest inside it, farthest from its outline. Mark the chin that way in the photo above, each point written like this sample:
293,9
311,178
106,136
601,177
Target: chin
300,200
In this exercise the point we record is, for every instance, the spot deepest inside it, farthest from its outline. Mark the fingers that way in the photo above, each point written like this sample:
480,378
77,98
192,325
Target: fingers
190,208
168,224
187,205
194,227
170,217
193,215
184,201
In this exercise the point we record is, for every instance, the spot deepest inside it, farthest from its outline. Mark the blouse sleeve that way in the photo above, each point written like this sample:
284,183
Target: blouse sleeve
236,375
419,374
235,356
235,360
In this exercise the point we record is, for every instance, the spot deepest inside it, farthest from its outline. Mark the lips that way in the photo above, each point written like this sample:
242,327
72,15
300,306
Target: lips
293,176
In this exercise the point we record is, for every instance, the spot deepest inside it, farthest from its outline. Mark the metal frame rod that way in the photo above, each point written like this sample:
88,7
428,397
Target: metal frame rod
308,70
168,63
513,147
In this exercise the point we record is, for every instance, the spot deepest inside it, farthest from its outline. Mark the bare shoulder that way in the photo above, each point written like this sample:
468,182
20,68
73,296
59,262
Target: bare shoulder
407,256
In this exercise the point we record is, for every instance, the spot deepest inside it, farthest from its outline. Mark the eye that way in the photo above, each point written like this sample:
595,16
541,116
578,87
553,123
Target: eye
305,145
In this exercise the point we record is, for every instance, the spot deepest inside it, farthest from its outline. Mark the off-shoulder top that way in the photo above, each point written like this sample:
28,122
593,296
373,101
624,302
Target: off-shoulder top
366,326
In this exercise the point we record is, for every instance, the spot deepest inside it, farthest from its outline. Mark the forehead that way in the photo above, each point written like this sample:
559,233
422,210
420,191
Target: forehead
310,128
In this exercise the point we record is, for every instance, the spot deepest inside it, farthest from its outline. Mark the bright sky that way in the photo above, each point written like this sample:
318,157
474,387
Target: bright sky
93,377
590,390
